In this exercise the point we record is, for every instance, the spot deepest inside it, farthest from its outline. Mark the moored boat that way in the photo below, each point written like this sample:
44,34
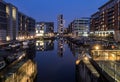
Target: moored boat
2,63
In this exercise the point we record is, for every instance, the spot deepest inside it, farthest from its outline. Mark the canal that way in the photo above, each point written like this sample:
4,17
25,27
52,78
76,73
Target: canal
55,61
60,60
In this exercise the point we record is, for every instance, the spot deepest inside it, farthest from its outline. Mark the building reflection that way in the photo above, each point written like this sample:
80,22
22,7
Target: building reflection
31,52
60,47
44,45
77,49
74,48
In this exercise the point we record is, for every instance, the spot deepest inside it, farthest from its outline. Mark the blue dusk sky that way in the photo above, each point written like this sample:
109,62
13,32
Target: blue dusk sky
48,10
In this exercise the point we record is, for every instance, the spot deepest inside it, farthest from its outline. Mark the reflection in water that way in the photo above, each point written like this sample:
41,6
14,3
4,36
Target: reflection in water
23,70
53,68
44,45
77,49
61,47
31,52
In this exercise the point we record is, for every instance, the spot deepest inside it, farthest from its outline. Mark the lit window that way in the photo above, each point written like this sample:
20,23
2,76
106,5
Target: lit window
14,13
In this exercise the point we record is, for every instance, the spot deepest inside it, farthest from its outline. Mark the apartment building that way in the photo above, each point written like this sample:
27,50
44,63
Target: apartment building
3,21
44,29
79,27
12,22
107,20
26,26
14,25
94,22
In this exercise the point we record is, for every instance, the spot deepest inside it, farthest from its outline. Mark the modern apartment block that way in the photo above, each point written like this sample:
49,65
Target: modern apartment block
60,24
26,26
14,24
94,22
79,27
107,20
3,21
70,28
31,26
44,29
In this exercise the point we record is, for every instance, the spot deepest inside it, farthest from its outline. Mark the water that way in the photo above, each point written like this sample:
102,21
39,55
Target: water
55,61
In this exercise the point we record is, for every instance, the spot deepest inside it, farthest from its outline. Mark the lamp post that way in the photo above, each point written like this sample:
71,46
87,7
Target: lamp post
97,47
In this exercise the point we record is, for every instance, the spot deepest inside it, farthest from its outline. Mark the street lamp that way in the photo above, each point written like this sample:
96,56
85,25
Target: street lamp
97,47
86,58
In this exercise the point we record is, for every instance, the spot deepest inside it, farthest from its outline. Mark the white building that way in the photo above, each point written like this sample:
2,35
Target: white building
44,29
12,28
10,23
39,30
80,27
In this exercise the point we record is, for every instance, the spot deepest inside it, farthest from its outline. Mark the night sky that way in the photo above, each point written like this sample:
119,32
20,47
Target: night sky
48,10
